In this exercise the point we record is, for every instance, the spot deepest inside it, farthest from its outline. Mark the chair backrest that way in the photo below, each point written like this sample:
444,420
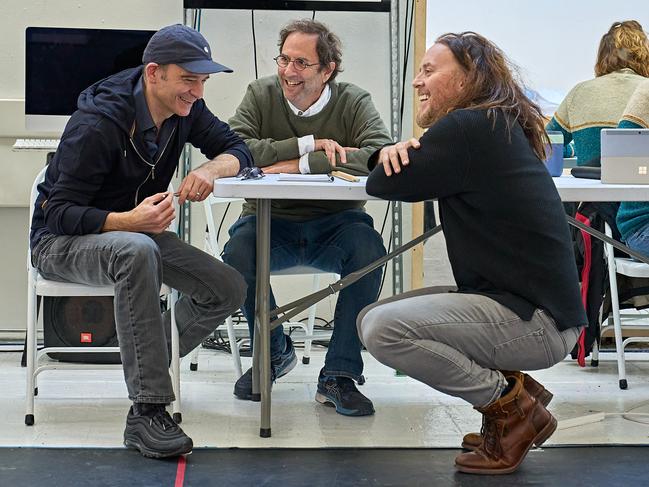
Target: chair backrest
32,201
211,238
173,226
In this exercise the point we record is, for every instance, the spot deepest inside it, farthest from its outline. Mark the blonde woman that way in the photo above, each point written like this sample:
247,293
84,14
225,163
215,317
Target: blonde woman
622,64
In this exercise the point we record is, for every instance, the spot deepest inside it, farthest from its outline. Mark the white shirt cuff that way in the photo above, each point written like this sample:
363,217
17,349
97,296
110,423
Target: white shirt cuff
306,144
304,164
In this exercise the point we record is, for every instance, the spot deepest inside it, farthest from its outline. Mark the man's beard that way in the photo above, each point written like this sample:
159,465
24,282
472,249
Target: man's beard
429,116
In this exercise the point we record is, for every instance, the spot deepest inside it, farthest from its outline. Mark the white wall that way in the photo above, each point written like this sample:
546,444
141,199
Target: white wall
554,42
19,169
365,58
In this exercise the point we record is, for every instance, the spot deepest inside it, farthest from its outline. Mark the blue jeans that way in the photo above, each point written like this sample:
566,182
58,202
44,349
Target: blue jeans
137,264
639,240
340,243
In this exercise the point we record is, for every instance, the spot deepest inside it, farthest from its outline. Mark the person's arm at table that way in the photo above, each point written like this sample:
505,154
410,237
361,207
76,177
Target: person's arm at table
367,133
226,151
560,122
434,166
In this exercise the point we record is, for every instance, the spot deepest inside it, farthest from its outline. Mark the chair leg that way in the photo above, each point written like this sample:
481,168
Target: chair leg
594,361
236,358
619,346
193,360
310,324
617,324
31,354
175,359
232,337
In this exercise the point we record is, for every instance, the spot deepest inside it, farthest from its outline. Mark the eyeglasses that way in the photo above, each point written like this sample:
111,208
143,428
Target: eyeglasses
298,63
251,173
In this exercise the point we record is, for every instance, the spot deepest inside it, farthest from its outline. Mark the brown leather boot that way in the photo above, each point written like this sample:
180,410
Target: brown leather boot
512,424
471,441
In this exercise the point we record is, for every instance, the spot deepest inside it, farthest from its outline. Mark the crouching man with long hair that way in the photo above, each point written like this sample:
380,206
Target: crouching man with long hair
517,305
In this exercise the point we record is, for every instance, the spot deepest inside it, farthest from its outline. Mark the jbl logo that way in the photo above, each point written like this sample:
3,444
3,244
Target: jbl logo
642,170
85,337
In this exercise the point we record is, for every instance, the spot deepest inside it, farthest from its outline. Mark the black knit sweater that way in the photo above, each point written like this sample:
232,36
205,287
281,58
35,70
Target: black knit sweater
502,217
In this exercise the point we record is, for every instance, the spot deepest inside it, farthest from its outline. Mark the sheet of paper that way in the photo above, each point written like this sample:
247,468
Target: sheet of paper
314,178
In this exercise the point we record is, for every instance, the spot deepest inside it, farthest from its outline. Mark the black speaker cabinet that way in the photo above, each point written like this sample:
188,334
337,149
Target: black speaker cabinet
80,321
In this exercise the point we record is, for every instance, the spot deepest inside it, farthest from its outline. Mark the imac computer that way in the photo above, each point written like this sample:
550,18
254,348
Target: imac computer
60,63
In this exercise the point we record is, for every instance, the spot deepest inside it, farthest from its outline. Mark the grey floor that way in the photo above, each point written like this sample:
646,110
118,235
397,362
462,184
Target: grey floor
403,467
88,408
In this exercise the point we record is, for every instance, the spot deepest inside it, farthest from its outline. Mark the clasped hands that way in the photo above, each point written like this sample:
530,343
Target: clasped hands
330,147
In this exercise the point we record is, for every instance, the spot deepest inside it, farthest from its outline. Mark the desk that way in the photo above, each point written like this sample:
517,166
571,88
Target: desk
264,190
575,189
269,188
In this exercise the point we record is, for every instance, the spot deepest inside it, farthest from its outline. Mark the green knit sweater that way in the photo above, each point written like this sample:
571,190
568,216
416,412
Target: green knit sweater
270,129
591,106
633,215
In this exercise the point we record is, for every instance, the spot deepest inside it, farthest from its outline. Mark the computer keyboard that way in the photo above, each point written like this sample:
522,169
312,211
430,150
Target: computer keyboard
49,145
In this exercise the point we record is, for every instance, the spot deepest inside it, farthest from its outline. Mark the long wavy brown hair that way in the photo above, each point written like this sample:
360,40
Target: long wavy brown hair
491,85
625,45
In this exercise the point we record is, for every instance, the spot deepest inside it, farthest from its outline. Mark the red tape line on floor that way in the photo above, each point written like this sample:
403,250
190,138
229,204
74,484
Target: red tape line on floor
180,472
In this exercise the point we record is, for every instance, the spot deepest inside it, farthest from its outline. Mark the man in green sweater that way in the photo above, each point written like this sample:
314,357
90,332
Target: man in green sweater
302,121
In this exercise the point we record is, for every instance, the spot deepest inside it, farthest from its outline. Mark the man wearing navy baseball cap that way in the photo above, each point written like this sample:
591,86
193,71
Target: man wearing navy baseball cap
184,46
103,210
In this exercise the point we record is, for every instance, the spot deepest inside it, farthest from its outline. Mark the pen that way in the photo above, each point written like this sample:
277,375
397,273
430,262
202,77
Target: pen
344,176
165,197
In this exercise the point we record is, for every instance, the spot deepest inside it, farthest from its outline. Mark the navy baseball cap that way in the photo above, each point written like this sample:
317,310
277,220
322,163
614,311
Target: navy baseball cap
184,46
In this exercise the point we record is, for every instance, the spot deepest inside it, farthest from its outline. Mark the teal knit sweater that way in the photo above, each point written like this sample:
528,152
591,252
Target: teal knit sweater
633,215
591,106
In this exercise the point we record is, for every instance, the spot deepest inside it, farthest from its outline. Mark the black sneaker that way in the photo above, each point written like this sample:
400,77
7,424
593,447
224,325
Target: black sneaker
341,392
154,433
278,368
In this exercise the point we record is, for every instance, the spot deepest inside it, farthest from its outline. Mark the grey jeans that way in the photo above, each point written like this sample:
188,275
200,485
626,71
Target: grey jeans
457,343
137,264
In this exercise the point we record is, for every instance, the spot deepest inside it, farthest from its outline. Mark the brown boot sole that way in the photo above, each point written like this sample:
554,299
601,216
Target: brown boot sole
541,438
544,398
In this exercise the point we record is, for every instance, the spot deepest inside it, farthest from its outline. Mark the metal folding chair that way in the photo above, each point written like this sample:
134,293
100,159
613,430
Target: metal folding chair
37,359
633,268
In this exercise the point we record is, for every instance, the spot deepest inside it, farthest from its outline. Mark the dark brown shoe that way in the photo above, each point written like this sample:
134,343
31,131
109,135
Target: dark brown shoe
512,424
471,441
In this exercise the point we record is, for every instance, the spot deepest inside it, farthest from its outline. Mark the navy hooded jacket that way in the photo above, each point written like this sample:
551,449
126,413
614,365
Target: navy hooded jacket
98,168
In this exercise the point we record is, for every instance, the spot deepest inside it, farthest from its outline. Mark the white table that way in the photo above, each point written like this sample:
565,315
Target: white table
576,189
268,188
264,190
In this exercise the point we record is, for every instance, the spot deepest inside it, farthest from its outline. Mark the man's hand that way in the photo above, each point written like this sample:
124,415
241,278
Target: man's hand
394,156
288,166
153,215
331,148
199,183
